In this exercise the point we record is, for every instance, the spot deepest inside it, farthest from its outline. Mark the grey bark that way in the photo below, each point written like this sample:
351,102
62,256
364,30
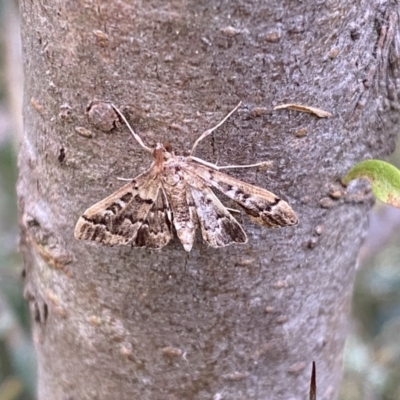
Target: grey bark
241,322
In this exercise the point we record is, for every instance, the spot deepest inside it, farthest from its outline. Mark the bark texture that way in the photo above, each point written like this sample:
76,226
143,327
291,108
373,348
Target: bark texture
242,322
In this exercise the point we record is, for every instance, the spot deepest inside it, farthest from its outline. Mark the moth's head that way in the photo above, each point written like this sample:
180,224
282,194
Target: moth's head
165,149
162,153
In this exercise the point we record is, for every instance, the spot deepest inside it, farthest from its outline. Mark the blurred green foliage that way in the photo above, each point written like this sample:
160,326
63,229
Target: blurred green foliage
17,361
372,356
17,366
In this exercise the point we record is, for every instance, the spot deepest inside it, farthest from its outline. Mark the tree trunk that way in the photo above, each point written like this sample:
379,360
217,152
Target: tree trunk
241,322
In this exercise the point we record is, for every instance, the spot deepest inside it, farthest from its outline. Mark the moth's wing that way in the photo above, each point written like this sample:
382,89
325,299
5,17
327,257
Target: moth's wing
262,206
218,227
117,219
156,229
183,211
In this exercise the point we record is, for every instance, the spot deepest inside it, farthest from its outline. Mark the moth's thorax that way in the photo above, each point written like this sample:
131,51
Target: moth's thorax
172,172
162,154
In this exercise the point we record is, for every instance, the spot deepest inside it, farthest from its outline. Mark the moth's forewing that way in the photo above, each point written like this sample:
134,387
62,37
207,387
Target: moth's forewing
117,219
262,206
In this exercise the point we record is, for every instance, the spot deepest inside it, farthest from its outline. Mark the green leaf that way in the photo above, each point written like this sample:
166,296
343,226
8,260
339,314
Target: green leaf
384,179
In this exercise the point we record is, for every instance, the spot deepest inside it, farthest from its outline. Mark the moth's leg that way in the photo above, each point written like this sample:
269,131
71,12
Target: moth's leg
135,135
265,164
211,130
124,179
233,210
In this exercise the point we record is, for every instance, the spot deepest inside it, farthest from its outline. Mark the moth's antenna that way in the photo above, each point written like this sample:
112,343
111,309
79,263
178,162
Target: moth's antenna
136,136
211,130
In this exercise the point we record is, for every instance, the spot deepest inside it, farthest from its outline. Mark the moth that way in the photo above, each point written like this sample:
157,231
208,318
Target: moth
176,193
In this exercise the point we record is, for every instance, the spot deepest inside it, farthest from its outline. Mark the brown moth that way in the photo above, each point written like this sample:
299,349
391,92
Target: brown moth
176,192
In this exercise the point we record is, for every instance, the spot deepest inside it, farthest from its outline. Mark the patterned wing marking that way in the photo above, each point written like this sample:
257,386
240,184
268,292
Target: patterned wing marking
262,206
218,227
156,229
117,219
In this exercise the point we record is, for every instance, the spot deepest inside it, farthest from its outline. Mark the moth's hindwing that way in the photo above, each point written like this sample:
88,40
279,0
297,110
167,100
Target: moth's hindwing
218,227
